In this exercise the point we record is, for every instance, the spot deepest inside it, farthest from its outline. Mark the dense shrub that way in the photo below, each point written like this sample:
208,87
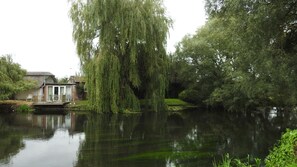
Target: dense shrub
190,95
284,154
23,108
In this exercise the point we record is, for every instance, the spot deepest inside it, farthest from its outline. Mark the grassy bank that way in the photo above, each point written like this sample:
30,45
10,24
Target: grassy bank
172,105
15,106
178,105
15,102
81,105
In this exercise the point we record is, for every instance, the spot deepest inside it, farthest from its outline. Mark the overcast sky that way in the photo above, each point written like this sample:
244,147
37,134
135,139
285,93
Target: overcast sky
38,33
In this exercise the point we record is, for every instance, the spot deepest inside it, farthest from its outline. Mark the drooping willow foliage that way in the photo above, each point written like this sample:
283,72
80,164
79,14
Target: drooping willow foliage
121,45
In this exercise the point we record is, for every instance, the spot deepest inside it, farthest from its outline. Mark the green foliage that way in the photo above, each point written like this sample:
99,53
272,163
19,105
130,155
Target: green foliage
121,45
176,102
63,80
190,95
23,108
231,162
81,105
243,57
12,78
284,154
226,162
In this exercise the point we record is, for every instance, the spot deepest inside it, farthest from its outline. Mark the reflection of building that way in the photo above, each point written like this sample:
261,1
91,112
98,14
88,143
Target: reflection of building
47,89
52,122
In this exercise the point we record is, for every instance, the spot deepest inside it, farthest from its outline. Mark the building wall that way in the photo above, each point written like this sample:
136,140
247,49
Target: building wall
24,95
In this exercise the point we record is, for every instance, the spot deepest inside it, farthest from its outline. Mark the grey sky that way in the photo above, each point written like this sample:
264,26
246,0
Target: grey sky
38,33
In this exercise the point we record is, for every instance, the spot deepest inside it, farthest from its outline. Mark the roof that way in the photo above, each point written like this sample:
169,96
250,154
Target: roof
39,74
40,77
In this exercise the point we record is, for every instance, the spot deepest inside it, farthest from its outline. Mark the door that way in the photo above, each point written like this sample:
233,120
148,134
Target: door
56,93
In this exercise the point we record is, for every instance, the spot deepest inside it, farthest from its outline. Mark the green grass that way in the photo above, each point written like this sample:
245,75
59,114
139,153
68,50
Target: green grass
81,105
178,105
177,102
227,161
173,105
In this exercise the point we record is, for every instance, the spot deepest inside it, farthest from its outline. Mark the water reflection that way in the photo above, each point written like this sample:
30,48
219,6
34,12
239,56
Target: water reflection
193,138
53,122
59,151
179,139
39,140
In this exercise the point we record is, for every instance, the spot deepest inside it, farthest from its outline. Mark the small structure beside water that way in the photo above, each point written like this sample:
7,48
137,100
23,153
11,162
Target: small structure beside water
47,91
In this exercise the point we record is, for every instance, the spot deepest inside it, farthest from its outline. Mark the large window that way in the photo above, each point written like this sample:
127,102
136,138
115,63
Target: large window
58,93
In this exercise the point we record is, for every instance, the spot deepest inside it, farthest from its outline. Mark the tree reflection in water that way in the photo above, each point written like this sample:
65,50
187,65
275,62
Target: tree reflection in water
10,141
192,138
179,139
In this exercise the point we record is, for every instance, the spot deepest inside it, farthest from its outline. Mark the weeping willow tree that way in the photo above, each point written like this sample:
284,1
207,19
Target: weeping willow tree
121,45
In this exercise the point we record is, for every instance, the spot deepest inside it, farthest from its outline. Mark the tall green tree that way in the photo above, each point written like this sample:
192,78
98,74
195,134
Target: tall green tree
11,78
252,46
121,45
264,46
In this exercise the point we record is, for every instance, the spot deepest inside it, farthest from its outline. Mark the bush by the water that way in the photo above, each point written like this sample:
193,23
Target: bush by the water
190,95
284,154
23,108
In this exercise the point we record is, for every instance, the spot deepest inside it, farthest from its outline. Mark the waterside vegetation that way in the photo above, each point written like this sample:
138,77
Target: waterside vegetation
12,78
121,45
242,58
171,105
283,154
19,106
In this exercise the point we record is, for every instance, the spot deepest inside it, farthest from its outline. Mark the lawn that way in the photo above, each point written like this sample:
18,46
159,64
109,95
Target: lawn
177,102
173,105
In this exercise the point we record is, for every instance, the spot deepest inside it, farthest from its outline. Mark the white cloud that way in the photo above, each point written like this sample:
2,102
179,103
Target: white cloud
39,35
187,16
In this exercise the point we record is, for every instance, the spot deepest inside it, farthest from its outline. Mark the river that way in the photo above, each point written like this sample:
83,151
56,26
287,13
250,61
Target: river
193,138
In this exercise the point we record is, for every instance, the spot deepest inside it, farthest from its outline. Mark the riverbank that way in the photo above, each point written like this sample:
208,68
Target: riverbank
82,105
283,154
16,105
15,102
178,105
172,105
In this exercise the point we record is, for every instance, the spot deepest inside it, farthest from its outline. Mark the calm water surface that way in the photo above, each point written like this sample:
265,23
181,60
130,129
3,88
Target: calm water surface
194,138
